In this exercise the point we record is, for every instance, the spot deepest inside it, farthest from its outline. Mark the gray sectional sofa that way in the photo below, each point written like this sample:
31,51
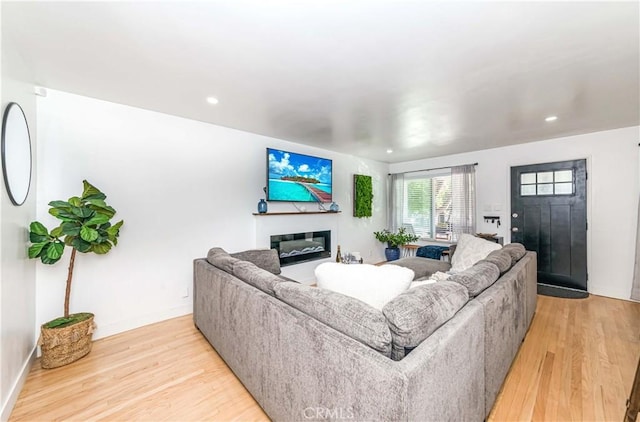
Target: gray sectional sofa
438,352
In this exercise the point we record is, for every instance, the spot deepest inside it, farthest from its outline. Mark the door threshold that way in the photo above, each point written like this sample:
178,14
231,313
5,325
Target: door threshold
563,292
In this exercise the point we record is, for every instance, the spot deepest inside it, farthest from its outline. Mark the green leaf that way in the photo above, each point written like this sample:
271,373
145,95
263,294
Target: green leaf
37,228
106,210
88,234
98,219
91,192
82,212
96,196
36,248
101,248
81,245
71,228
36,238
75,201
60,205
55,250
97,202
46,260
114,231
63,215
69,239
57,232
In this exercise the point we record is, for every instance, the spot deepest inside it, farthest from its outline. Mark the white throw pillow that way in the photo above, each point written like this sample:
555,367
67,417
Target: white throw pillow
470,249
369,283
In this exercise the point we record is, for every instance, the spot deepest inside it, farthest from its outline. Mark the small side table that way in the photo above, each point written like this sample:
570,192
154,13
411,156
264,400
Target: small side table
409,250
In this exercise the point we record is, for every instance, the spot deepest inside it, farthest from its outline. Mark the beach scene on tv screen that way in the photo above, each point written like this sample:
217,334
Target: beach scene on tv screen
297,177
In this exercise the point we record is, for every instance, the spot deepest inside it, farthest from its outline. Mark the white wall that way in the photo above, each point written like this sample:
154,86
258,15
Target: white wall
181,186
17,272
612,192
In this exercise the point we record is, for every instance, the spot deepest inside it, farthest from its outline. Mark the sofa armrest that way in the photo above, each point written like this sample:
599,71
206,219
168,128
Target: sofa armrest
449,363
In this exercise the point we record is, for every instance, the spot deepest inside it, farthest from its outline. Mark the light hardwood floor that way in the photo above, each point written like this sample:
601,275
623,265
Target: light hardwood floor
577,363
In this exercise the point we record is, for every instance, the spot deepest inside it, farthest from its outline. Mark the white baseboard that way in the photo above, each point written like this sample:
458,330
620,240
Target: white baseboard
131,323
12,398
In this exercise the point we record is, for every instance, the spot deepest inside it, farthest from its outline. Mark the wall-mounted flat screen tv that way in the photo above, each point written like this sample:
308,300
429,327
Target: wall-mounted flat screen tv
298,178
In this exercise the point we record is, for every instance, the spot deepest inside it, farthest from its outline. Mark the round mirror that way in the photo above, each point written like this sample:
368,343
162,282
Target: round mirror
16,154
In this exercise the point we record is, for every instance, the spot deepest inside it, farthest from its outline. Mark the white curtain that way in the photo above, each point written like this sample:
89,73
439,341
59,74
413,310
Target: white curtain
396,201
635,288
463,200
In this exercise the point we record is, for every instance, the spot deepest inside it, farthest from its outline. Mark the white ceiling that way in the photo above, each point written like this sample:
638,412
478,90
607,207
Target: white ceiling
425,79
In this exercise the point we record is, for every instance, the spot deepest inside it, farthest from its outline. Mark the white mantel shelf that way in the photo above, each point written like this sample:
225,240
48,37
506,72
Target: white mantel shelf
296,213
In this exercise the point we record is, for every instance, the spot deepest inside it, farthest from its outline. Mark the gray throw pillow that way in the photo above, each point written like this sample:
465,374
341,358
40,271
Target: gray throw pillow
345,314
267,259
477,278
417,313
516,250
219,258
257,277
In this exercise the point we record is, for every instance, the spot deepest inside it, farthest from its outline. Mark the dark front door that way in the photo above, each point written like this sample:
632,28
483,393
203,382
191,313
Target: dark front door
549,216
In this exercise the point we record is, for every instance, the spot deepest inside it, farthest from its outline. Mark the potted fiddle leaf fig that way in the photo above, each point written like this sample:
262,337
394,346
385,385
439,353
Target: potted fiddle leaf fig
394,241
85,227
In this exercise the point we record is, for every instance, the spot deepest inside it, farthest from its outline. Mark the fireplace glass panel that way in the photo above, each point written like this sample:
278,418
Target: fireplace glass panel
294,248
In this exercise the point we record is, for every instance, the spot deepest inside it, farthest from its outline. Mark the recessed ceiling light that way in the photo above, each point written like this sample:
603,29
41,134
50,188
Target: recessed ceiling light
212,100
389,151
551,119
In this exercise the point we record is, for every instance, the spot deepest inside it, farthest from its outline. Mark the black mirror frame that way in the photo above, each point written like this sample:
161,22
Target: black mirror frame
15,201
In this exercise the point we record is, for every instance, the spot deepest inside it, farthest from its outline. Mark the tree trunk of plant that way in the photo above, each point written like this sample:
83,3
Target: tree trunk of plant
67,292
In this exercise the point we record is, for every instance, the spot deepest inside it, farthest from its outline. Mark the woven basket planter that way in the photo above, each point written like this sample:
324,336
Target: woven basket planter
61,346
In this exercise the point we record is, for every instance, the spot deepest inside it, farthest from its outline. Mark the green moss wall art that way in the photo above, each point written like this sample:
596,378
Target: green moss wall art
362,196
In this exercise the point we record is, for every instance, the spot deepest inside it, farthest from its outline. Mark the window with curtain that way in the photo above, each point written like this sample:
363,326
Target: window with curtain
438,204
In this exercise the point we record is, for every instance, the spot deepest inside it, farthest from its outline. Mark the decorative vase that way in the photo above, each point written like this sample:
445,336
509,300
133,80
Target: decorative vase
392,254
334,207
262,206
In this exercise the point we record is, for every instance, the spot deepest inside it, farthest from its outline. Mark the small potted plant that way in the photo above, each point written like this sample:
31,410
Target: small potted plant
85,228
394,241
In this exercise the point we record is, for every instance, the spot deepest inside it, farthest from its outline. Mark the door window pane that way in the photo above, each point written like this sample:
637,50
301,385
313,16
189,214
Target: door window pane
564,188
527,178
545,189
564,176
545,177
527,190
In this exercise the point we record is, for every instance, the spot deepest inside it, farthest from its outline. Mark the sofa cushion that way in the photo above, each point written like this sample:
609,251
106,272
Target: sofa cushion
516,250
374,285
423,267
471,249
501,258
345,314
417,313
257,277
219,258
477,278
267,259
